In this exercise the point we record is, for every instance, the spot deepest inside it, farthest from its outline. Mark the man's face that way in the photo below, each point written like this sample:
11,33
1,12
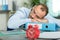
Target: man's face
40,11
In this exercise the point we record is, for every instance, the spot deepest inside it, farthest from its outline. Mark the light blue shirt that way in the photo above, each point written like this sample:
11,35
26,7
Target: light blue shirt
21,17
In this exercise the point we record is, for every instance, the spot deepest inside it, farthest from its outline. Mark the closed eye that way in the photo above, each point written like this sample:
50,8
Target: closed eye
42,9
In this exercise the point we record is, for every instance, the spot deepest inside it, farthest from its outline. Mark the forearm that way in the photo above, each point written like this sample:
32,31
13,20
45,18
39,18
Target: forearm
44,21
39,20
18,22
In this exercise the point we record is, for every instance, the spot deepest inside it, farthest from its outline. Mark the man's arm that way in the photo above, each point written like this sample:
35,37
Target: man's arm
18,19
35,19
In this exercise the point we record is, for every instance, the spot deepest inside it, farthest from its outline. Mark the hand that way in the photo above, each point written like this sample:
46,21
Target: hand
33,20
32,15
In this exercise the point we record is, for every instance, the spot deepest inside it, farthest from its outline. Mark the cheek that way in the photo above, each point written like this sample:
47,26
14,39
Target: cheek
42,14
38,12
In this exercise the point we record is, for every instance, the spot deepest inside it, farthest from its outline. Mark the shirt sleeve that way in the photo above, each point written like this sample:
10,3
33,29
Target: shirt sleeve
51,19
18,19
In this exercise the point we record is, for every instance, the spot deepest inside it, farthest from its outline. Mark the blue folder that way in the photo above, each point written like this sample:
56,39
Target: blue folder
44,26
49,27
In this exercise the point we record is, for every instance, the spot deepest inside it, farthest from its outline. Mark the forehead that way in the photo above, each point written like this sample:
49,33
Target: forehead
40,6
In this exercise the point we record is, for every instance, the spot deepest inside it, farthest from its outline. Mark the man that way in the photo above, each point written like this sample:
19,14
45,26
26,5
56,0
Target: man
24,15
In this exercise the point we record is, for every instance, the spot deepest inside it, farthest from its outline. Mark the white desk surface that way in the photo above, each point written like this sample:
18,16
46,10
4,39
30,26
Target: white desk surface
44,35
50,35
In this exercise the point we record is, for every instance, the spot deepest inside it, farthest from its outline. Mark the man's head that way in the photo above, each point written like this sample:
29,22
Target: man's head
40,10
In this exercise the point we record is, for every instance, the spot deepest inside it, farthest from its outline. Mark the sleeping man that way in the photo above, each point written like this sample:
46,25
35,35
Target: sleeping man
24,15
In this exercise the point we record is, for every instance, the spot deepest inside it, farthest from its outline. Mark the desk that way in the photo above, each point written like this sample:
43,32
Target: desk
20,35
50,35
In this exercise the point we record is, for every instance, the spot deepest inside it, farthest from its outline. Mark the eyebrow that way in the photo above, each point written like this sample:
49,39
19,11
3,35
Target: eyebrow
43,8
